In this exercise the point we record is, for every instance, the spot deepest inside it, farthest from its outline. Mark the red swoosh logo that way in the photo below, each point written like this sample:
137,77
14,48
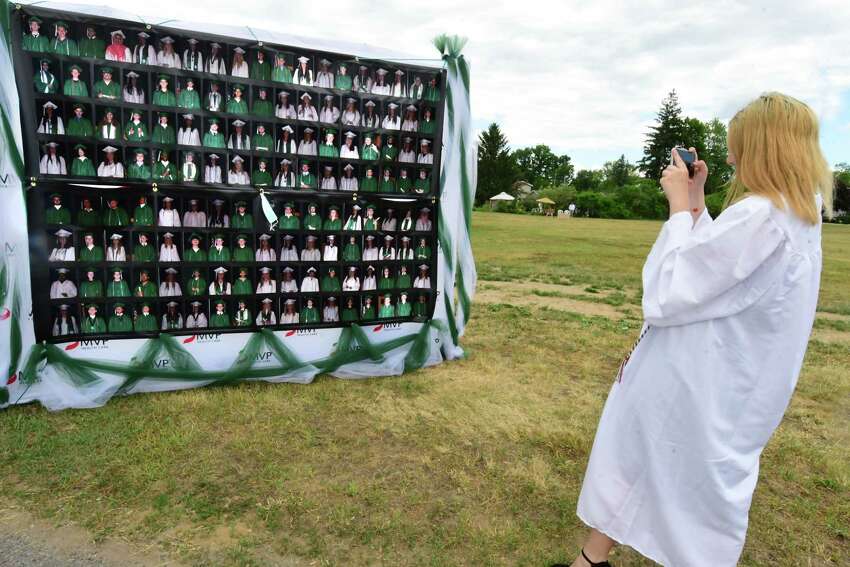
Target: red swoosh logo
12,379
378,328
5,315
289,333
72,346
191,339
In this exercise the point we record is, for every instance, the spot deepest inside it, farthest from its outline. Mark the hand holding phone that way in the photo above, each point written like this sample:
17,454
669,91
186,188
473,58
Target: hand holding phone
688,157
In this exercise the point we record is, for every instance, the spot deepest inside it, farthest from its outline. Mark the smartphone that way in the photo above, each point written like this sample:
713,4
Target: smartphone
688,157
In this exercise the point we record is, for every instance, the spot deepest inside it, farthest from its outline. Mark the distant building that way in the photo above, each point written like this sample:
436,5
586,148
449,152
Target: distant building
522,189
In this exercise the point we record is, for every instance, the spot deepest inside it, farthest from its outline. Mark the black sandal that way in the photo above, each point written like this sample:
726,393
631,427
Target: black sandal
586,558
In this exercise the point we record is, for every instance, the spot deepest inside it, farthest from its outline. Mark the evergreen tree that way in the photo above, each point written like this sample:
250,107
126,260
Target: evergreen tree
496,167
618,173
670,131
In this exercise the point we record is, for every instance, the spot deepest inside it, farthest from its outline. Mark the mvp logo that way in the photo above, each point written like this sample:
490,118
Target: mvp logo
87,345
162,363
301,333
264,356
10,249
387,327
4,178
203,338
5,314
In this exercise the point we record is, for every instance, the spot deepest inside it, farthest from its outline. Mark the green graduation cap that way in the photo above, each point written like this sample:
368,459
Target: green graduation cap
35,19
109,70
62,24
119,304
142,151
241,204
163,77
77,67
115,269
241,237
194,236
80,147
238,87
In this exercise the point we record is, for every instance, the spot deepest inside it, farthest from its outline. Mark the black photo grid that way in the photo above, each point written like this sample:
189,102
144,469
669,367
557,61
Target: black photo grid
147,154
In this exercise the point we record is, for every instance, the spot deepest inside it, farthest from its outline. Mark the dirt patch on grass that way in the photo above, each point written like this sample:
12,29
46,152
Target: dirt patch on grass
830,336
552,296
72,542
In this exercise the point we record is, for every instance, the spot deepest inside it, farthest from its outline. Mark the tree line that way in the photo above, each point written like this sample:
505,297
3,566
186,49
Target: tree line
620,189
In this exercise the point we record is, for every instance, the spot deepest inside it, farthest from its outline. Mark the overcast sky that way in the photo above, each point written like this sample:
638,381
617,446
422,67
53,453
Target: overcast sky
587,77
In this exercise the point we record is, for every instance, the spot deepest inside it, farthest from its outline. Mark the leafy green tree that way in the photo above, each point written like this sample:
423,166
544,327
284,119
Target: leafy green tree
543,168
841,204
669,131
496,167
714,154
618,172
563,195
588,180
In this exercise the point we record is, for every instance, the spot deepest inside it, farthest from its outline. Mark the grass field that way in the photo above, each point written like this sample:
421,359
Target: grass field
477,462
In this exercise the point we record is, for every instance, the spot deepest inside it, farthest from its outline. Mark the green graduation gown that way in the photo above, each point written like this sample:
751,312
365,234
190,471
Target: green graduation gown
143,253
82,167
264,143
242,318
147,289
306,181
214,140
81,127
328,150
91,289
117,289
329,283
427,126
163,171
422,252
403,309
245,221
143,216
219,320
261,178
58,216
237,106
402,281
64,47
370,152
242,287
145,322
420,309
404,184
136,132
120,324
368,312
335,224
163,98
215,255
387,186
189,99
351,253
93,255
342,82
349,314
386,283
88,218
112,90
369,185
38,44
166,135
260,71
312,222
386,312
91,326
370,224
45,87
243,254
422,185
309,315
136,171
197,286
263,108
92,47
75,88
288,223
282,74
431,93
390,153
191,255
115,217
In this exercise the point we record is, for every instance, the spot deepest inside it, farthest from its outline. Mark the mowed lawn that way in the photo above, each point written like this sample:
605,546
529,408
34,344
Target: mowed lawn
477,462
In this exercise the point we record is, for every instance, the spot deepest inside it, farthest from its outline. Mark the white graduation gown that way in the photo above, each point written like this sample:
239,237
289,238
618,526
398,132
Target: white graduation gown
170,290
198,321
169,217
58,289
195,219
310,284
62,255
330,253
49,166
261,321
267,287
288,286
286,112
240,70
171,60
169,253
188,137
351,284
110,170
730,305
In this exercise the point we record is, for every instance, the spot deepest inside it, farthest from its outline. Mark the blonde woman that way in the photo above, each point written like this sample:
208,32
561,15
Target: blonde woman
729,305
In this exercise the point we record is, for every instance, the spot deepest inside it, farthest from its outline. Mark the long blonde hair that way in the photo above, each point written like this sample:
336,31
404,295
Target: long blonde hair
775,142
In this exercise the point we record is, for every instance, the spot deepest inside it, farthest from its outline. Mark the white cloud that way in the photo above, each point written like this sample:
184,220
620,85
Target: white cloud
587,77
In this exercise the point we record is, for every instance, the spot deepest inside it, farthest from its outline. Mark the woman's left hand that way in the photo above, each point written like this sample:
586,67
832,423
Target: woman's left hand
674,181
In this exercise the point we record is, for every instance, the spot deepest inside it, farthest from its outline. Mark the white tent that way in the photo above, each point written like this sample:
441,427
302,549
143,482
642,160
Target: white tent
501,197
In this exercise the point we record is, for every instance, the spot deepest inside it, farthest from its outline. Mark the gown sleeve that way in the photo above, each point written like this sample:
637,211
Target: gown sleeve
700,271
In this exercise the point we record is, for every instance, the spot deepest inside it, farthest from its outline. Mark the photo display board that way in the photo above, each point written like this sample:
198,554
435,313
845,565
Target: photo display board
183,182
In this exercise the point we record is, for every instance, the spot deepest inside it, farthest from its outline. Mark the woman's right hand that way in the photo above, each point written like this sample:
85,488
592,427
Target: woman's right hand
676,184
